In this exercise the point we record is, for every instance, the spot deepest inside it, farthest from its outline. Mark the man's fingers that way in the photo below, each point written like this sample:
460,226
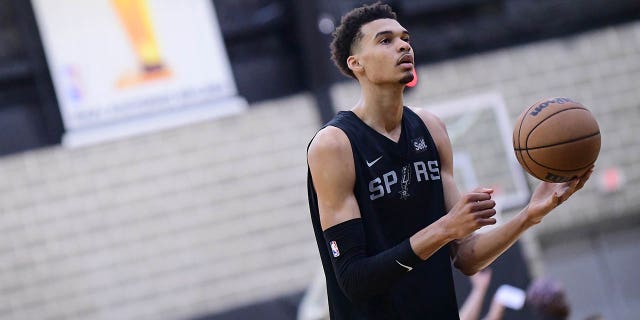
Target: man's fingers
556,200
482,190
582,180
571,187
484,214
486,222
477,196
483,205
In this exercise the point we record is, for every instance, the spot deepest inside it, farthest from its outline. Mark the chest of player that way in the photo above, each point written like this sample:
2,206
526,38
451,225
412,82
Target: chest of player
398,171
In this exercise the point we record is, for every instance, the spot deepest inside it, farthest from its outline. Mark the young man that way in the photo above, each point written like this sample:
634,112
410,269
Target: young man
387,215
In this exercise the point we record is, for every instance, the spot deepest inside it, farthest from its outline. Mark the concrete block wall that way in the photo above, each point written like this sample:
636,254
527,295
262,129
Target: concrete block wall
170,225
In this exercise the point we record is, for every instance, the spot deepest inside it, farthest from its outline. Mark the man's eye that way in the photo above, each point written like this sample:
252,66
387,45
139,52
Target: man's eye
406,40
385,40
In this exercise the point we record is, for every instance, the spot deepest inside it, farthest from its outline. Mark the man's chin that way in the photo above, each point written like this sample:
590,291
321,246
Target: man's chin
407,78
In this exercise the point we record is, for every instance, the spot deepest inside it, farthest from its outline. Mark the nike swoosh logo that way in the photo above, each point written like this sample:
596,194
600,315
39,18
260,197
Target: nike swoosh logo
404,266
369,164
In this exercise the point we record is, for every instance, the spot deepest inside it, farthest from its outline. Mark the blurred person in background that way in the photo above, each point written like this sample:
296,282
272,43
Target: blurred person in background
387,215
472,305
548,299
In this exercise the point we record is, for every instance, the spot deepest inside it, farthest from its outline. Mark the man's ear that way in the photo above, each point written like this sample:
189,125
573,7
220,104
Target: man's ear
354,64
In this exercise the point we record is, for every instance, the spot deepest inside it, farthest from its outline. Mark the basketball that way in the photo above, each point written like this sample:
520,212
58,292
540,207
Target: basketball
556,139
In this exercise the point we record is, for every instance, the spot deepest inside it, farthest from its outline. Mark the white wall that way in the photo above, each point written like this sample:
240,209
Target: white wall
163,226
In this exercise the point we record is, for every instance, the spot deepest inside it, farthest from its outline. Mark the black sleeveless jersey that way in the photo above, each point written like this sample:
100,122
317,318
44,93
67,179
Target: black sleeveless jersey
399,192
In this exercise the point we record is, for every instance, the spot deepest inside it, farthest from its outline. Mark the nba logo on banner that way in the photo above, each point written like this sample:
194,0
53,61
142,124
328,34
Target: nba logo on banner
334,249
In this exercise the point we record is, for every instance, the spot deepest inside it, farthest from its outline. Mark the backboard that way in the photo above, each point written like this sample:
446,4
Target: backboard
481,134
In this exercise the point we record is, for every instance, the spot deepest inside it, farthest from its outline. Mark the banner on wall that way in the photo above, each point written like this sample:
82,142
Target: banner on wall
121,67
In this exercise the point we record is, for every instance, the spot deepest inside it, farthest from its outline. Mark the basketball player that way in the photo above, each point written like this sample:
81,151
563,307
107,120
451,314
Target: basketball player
387,215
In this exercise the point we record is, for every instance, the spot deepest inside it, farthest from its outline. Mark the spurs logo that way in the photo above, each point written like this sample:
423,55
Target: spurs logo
380,186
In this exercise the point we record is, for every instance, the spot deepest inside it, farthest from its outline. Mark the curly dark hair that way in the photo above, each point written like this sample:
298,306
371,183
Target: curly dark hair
349,32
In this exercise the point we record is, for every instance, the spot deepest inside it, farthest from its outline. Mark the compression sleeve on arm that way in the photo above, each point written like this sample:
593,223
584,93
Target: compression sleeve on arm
358,275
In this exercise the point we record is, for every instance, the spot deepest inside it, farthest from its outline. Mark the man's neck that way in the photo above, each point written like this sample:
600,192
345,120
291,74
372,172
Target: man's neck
381,109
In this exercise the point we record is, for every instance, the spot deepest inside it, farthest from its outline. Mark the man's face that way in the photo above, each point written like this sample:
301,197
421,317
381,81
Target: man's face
384,53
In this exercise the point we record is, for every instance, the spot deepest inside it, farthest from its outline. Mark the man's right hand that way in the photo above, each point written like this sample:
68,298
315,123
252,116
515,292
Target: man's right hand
473,211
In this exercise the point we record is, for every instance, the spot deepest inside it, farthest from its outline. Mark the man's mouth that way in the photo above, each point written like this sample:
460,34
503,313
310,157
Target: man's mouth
407,58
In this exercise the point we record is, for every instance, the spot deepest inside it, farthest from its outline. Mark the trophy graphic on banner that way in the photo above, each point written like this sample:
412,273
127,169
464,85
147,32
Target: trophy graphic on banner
135,17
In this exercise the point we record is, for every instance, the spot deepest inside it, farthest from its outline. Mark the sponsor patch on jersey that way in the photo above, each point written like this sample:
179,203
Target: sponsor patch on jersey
419,144
334,249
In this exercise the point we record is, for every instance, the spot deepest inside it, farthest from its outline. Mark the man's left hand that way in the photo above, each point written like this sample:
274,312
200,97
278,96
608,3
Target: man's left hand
548,196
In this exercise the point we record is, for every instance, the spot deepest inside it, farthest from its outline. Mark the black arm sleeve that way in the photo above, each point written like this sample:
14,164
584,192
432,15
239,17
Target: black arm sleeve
359,276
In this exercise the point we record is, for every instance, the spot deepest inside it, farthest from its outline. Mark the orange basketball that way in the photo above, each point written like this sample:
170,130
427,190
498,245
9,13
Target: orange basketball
556,139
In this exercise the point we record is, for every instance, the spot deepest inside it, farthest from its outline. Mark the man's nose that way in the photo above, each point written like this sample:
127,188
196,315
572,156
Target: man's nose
404,46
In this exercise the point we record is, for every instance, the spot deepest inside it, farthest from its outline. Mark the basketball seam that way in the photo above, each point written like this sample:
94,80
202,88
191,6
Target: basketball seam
562,170
526,141
556,169
520,126
561,143
523,162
